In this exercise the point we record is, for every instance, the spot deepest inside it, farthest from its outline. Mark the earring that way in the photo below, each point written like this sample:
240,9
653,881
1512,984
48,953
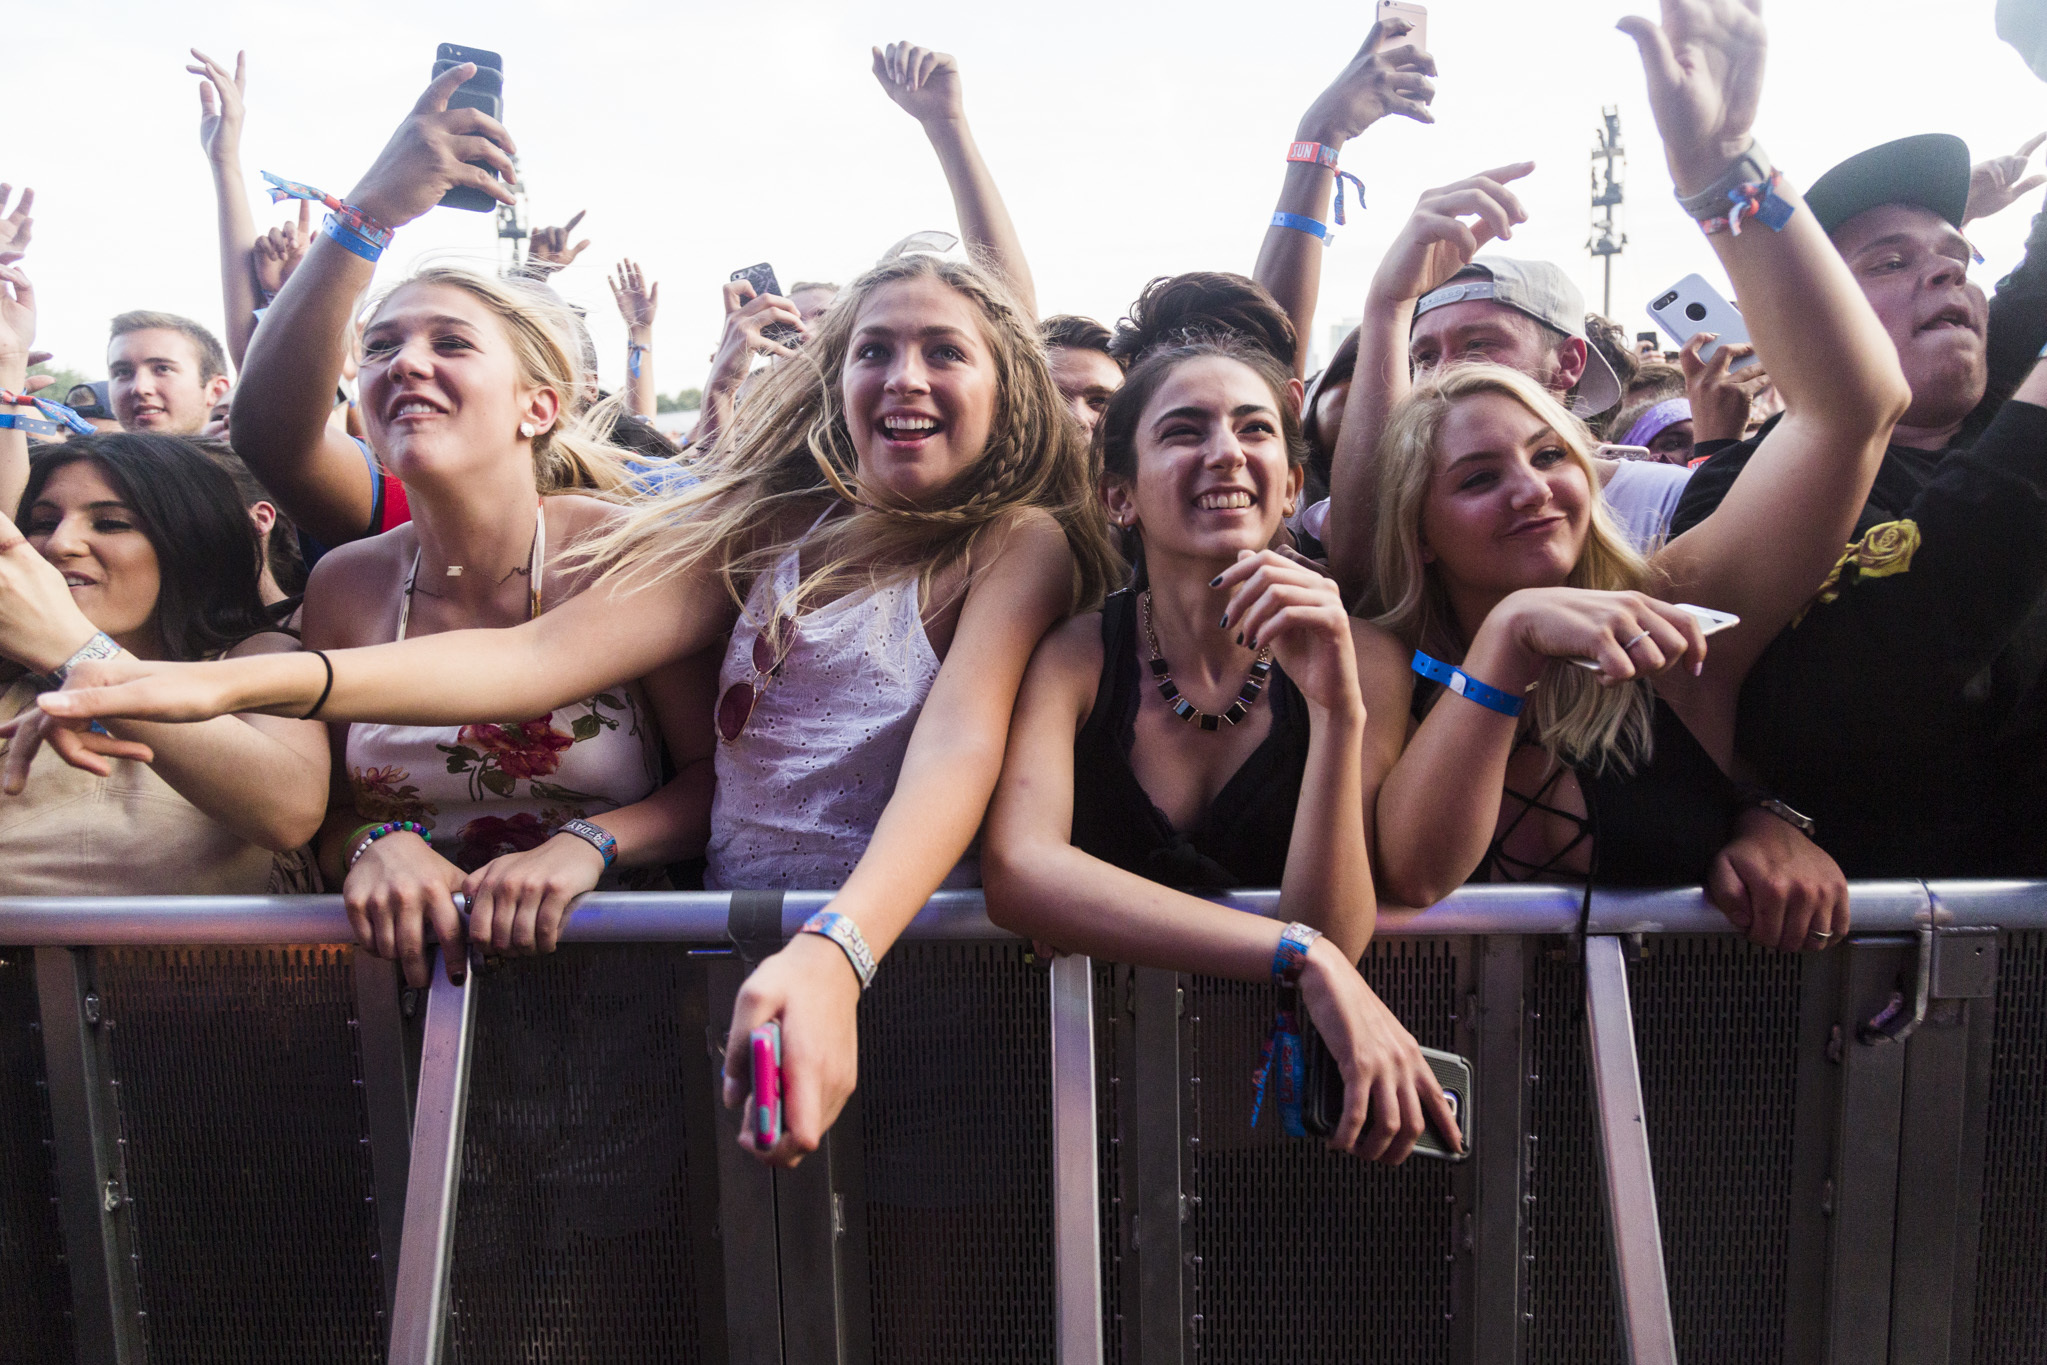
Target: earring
526,430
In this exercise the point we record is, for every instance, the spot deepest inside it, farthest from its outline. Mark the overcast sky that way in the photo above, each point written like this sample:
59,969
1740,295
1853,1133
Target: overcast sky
1131,140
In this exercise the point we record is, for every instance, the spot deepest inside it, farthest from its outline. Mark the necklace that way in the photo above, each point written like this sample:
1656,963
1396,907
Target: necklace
536,561
1184,709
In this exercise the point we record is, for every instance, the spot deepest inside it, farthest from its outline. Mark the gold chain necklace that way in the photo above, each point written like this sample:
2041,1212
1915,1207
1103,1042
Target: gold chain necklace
1184,709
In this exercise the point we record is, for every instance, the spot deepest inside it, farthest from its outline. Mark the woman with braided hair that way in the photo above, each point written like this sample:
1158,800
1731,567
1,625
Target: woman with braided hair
880,540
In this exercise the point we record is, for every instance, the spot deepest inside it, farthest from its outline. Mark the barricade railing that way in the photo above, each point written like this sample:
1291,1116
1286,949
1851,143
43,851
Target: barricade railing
1916,948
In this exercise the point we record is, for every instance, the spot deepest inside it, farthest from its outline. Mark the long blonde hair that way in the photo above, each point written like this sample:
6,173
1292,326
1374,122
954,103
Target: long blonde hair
1574,717
788,451
576,452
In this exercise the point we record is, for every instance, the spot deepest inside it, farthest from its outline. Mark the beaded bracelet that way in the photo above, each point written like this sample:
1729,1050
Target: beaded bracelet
379,831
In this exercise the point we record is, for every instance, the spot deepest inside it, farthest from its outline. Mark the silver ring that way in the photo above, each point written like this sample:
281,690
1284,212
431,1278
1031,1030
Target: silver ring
1636,641
1818,933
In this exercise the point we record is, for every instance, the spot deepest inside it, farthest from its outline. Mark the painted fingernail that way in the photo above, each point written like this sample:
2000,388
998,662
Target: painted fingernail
1240,637
1216,582
1225,622
1698,668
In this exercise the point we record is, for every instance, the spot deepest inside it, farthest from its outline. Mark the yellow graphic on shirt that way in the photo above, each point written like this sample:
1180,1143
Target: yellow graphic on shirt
1885,549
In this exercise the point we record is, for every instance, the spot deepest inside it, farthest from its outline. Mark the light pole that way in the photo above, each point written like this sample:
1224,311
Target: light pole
1609,159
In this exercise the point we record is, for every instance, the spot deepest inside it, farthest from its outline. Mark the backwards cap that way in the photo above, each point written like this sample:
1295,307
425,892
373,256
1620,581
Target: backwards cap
1541,291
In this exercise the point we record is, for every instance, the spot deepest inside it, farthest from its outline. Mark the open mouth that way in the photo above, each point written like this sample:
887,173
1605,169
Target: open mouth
76,580
1225,500
1950,318
909,428
414,407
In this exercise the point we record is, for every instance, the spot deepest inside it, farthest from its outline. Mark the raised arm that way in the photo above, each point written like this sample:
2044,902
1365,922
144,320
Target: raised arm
1782,525
319,475
637,301
17,334
1435,243
1375,83
927,86
220,134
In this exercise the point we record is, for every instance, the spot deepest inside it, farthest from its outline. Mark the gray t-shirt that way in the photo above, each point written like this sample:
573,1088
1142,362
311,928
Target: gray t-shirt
1643,495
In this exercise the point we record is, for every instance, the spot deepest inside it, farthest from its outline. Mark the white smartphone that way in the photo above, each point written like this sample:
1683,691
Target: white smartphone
1416,17
1692,306
1711,622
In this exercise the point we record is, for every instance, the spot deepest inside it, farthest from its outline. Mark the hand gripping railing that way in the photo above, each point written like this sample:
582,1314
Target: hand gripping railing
417,1327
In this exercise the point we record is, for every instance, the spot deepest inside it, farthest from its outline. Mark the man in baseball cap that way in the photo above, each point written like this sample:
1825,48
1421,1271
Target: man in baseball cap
1906,711
1487,307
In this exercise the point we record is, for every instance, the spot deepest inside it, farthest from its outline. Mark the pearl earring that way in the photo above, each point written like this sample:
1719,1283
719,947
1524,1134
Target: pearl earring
526,430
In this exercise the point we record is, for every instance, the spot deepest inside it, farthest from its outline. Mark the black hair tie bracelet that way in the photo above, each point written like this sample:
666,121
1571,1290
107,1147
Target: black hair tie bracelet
327,664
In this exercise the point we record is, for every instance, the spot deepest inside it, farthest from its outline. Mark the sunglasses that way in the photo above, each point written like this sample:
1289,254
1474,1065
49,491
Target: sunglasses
736,706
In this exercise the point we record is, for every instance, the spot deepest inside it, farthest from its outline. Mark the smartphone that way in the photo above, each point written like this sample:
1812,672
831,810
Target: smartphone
1711,622
1416,17
1646,341
1322,1097
486,91
765,1046
1614,452
762,278
1692,306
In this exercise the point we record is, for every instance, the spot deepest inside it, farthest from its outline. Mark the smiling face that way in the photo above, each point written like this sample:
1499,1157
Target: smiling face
1212,476
919,385
154,384
1913,267
80,524
1507,505
442,392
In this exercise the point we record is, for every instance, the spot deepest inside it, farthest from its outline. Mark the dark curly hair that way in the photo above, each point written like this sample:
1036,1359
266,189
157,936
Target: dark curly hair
207,554
1176,308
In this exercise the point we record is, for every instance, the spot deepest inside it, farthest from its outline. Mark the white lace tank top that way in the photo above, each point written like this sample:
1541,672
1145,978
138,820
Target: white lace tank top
802,787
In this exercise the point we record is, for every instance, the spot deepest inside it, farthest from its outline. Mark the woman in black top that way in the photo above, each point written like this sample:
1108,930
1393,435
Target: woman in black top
1210,731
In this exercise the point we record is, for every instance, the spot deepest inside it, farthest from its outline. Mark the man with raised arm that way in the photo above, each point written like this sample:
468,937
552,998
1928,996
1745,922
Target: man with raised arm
1905,712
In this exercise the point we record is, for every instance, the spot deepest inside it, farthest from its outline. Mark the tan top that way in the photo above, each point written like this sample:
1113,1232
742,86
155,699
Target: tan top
70,833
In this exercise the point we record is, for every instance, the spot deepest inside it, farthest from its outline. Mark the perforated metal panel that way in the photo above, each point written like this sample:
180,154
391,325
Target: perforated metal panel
1716,1034
572,1235
244,1143
1300,1254
1570,1285
956,1127
35,1290
1113,1045
2011,1273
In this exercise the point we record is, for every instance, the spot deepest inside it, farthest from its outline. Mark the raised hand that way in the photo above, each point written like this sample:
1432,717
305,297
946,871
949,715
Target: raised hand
40,625
748,315
637,300
1721,397
924,83
278,251
1375,83
1296,611
15,227
220,107
549,246
430,152
1435,242
17,318
1995,183
1705,68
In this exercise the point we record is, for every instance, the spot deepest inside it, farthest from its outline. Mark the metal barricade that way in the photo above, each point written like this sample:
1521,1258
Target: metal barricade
224,1141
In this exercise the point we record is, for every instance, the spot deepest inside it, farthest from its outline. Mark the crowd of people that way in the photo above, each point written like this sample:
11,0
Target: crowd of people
385,595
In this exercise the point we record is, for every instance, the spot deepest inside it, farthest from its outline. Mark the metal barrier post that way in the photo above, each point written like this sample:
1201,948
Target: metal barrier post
91,1189
1076,1225
419,1320
1641,1293
1498,1235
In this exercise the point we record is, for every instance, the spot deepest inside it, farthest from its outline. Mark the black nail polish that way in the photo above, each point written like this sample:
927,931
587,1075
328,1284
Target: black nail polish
1216,582
1240,637
1225,622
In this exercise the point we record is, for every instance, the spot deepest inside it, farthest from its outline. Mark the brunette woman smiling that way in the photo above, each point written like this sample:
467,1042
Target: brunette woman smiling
1212,731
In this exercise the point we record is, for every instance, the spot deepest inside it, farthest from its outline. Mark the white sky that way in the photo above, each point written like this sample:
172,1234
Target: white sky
1131,140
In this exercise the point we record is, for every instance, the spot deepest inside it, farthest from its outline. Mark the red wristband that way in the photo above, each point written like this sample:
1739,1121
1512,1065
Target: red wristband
1319,153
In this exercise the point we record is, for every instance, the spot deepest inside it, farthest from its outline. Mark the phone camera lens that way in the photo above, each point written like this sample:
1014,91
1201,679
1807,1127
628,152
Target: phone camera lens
1696,312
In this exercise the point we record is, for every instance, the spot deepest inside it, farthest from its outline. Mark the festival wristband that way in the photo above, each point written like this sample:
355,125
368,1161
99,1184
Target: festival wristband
1322,154
371,231
21,421
1302,223
1756,202
51,409
100,646
633,351
1466,686
1750,168
1319,153
844,932
342,235
1290,958
599,839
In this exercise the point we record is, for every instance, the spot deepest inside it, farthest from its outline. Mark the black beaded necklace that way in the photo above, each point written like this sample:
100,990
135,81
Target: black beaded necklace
1184,709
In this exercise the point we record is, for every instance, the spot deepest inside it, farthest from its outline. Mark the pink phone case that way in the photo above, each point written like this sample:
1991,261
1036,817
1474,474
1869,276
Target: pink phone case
767,1085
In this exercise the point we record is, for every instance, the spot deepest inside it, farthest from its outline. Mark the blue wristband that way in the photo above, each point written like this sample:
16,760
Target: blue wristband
21,421
1300,222
344,235
1466,686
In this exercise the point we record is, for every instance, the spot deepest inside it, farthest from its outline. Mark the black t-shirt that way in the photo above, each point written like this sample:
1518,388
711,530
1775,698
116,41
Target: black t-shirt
1905,711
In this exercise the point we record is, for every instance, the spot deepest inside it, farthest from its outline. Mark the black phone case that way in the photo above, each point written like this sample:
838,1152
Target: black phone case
486,91
762,278
1322,1093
